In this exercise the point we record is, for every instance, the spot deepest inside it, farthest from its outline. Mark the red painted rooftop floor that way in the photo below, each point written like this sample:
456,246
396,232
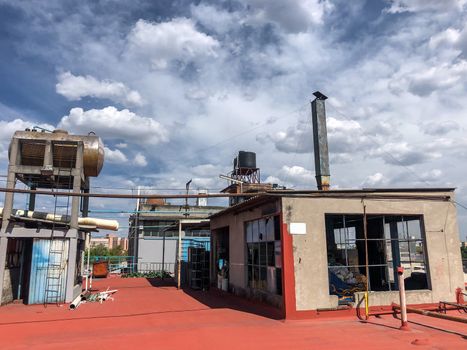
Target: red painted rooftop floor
144,316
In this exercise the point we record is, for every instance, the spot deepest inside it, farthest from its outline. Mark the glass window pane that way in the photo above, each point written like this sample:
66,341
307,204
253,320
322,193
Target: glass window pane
270,229
249,232
250,254
263,278
279,281
250,276
278,254
402,230
255,253
262,254
255,282
277,228
271,254
262,230
414,229
255,230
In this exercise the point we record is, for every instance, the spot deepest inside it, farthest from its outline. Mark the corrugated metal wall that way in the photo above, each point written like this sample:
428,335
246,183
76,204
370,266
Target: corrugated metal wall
200,242
40,261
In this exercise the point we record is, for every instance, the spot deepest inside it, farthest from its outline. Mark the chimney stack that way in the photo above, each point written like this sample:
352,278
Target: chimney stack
320,141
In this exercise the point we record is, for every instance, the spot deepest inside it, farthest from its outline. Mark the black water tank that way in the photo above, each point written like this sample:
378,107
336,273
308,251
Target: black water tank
246,159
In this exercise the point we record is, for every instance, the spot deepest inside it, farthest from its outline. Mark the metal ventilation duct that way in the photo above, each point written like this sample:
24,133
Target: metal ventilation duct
320,142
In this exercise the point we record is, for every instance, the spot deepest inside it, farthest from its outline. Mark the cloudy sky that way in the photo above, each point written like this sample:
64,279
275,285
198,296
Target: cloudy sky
176,88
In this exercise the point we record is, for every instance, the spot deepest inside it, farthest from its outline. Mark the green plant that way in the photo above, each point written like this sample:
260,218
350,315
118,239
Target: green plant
151,274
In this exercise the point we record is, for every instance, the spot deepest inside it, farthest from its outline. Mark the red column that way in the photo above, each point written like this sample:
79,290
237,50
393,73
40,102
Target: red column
288,272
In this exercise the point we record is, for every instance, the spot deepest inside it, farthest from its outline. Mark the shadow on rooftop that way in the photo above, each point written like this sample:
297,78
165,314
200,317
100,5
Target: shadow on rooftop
216,299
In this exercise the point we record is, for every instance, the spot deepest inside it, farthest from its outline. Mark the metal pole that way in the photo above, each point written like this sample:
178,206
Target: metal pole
163,252
88,248
403,302
21,269
136,234
179,258
367,268
187,186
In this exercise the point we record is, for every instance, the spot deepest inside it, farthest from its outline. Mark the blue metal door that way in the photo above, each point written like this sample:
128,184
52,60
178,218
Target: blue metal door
39,269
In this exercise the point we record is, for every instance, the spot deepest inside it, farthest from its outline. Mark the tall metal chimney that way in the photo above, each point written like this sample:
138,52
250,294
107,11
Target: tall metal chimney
320,141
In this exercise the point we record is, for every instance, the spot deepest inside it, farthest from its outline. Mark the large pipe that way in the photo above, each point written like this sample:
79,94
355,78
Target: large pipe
75,303
320,142
432,314
368,194
99,223
400,275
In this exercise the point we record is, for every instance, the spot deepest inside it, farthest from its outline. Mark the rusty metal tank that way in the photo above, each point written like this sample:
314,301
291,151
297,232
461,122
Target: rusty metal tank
32,149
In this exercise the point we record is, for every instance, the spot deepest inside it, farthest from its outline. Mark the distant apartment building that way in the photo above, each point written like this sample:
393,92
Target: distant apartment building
110,241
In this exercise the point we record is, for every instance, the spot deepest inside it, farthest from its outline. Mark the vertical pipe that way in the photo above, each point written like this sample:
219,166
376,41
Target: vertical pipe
48,156
85,200
179,258
163,250
32,199
88,272
15,156
136,234
77,174
10,183
404,324
21,269
367,268
320,141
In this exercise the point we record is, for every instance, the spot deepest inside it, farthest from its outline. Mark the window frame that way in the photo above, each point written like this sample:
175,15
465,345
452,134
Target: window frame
386,242
258,242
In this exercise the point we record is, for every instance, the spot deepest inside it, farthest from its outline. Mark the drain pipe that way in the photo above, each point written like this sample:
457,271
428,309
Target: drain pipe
404,324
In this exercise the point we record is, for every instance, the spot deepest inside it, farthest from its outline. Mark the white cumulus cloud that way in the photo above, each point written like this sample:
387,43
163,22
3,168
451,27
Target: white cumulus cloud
175,40
293,176
75,87
111,123
375,180
140,160
115,156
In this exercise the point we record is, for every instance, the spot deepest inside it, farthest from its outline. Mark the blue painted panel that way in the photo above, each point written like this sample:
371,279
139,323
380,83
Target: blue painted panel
40,261
200,242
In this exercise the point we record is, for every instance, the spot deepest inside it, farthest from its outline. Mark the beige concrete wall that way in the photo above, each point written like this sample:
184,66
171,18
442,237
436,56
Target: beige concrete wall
237,246
310,258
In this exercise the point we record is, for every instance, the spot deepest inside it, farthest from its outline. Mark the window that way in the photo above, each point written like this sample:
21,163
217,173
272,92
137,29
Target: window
197,233
161,228
264,264
392,241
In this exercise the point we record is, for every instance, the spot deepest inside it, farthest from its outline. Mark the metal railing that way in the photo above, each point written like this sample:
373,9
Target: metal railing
117,264
127,264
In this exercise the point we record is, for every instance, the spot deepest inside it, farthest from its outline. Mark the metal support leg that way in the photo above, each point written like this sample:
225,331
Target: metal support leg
71,269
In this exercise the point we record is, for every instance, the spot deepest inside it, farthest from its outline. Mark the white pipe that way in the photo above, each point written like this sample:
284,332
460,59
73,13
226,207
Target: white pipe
99,223
179,255
75,303
404,324
88,249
